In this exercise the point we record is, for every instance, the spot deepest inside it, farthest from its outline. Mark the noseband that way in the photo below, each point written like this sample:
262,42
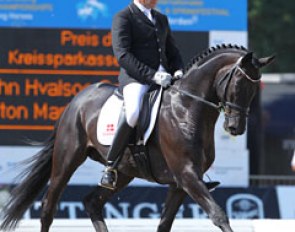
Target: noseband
224,105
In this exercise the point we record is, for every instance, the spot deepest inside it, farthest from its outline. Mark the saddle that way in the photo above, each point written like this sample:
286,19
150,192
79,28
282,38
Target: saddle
108,119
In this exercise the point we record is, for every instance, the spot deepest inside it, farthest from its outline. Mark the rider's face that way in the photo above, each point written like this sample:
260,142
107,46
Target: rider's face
149,3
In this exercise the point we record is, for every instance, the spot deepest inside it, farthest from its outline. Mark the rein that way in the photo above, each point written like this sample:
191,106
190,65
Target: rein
218,107
222,106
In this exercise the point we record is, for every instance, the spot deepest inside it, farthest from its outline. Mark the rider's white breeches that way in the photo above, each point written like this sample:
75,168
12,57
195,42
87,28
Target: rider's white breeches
133,95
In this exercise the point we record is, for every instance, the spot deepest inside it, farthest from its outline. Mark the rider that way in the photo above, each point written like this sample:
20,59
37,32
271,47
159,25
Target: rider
147,54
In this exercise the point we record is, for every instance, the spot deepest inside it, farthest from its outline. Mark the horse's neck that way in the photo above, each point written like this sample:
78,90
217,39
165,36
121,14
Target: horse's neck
200,82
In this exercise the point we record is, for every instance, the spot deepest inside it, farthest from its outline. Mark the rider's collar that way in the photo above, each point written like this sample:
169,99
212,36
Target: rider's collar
141,7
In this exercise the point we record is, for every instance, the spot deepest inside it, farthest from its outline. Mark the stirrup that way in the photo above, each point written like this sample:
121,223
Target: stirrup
109,178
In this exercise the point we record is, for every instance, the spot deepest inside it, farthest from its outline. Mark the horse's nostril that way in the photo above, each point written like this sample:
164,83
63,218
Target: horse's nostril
232,130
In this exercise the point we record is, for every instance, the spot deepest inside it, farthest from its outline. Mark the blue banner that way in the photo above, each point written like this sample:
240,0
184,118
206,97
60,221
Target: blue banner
184,15
147,202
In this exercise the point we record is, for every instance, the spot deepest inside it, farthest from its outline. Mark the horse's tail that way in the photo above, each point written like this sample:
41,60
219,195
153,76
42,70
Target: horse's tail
33,180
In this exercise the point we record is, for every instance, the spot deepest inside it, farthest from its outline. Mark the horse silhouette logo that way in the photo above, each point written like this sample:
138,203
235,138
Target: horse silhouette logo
245,206
92,9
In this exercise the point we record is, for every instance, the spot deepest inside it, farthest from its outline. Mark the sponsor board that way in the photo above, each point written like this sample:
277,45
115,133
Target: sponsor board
201,15
38,77
147,202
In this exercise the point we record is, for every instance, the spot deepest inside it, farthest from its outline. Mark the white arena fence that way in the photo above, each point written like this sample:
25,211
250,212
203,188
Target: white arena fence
150,225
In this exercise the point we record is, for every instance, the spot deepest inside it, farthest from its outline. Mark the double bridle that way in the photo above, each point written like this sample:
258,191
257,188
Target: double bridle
224,105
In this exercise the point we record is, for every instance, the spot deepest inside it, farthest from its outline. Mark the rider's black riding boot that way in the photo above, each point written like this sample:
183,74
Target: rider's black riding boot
121,139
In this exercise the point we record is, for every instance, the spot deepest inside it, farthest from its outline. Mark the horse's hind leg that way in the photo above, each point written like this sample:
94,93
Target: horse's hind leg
95,201
68,155
174,199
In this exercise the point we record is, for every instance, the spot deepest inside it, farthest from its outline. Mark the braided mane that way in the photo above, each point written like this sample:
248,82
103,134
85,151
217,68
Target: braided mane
208,53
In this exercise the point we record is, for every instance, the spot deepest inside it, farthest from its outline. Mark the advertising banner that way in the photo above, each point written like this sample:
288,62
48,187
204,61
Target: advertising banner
147,202
39,76
189,15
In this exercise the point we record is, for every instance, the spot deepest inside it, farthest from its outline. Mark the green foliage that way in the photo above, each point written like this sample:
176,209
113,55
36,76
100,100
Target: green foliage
272,31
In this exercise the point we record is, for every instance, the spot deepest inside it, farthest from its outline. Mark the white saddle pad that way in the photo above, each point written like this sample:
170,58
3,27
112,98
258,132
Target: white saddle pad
109,117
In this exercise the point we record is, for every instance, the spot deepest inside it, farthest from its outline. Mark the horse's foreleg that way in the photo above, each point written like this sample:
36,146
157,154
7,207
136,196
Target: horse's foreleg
95,201
195,187
174,199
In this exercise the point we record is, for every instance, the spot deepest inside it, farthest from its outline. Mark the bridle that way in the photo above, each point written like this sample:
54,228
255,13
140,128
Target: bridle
223,105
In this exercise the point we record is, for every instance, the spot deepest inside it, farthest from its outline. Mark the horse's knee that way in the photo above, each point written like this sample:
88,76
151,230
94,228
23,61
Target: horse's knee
93,203
88,203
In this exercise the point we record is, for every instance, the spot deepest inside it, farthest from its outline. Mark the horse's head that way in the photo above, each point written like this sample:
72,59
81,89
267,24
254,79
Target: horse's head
238,88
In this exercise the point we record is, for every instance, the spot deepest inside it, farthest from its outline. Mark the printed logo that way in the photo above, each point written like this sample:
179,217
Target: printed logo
109,129
92,9
244,206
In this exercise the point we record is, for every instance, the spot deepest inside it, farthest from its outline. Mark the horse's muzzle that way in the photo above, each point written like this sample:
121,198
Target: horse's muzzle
235,125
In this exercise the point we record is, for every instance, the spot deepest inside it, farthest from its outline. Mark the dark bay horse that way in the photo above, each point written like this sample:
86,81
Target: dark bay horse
181,146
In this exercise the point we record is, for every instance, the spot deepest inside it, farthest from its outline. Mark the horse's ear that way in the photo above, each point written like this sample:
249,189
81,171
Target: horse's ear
264,61
247,58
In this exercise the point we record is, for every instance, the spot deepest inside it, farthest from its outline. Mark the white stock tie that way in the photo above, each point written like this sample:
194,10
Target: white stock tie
149,15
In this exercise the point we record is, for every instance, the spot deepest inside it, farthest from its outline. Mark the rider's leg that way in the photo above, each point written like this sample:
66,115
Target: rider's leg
133,94
120,141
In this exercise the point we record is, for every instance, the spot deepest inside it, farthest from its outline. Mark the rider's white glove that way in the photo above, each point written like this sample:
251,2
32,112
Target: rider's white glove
162,78
178,74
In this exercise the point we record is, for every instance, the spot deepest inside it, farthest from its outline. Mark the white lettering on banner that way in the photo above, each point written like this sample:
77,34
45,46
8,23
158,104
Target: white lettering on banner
180,212
72,207
238,206
27,215
112,212
36,206
144,206
123,210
